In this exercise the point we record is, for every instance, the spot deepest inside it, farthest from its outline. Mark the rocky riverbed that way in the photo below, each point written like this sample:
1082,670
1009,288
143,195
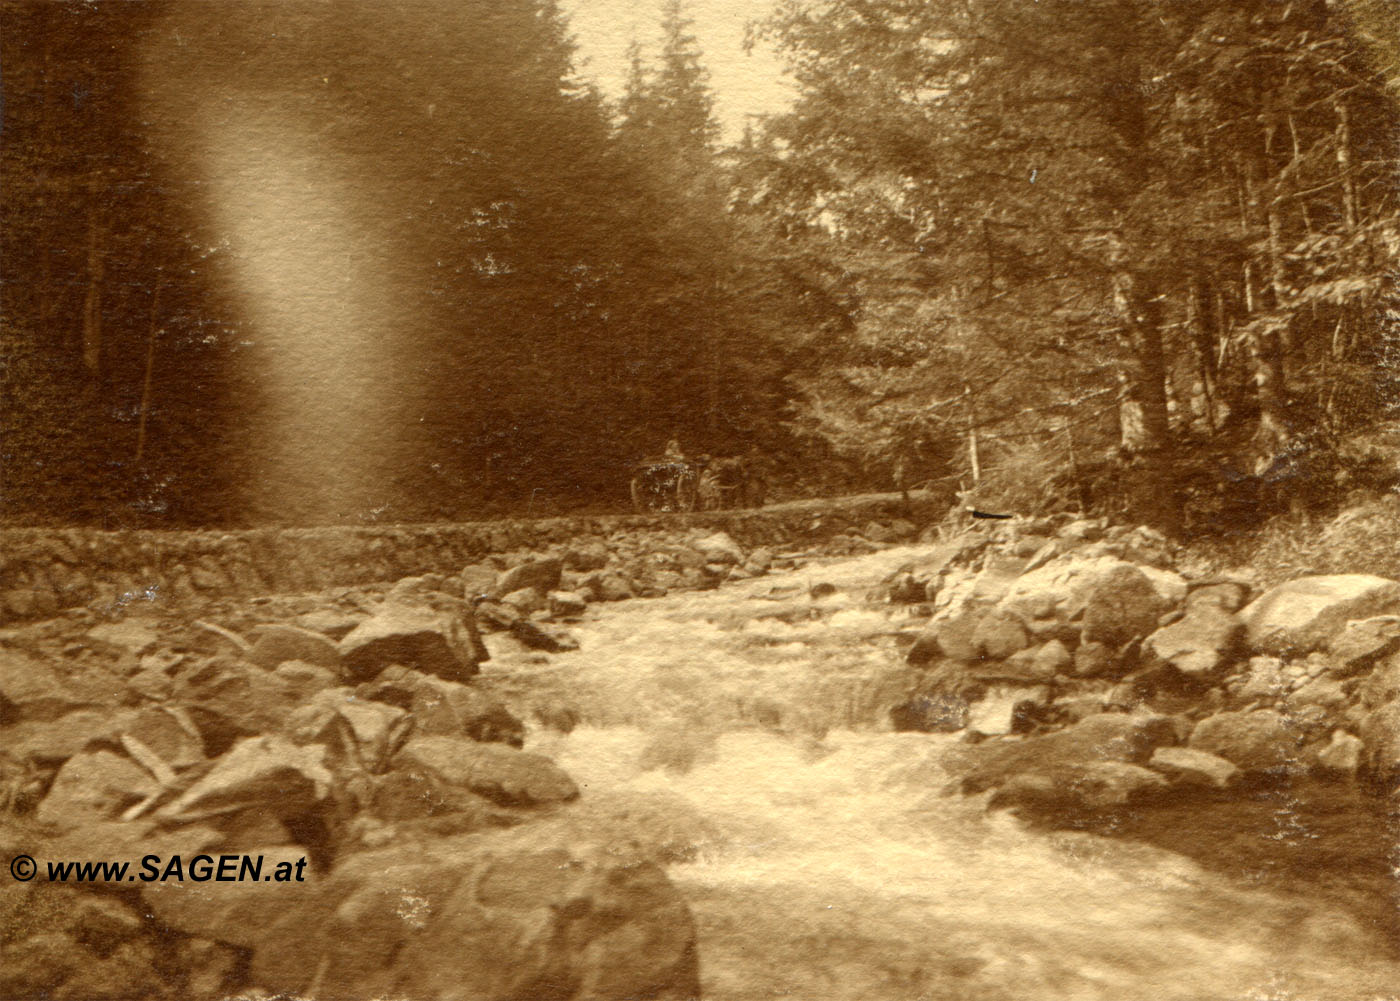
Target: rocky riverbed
1051,759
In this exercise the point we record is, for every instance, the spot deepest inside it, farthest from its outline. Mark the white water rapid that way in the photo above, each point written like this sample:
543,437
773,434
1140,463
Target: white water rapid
744,733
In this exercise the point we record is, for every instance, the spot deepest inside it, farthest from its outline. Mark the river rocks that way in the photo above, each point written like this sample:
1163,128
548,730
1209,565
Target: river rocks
1363,642
1080,787
998,635
445,708
930,714
613,586
566,604
362,735
1380,733
1061,589
537,636
129,634
540,574
1382,684
477,579
228,698
1322,692
1305,614
1121,606
1050,658
951,637
433,643
257,750
1191,766
1123,737
526,601
719,548
35,689
1264,678
168,731
1201,644
275,644
94,786
1227,596
268,773
304,680
1342,755
1003,707
1097,660
586,556
239,912
501,774
1257,741
510,916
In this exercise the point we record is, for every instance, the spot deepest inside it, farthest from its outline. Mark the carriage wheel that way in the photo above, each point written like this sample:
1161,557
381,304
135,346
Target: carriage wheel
686,491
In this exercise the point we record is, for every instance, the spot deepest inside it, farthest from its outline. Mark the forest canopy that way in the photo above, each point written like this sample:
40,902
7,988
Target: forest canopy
302,263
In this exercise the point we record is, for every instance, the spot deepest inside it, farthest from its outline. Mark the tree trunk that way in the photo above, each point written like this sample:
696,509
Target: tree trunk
1349,208
973,455
1265,350
92,305
1146,431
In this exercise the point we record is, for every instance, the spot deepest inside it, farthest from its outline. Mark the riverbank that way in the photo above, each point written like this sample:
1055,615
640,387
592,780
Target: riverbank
859,768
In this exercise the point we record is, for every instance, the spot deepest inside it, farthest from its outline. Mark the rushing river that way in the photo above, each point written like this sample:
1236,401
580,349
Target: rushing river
743,732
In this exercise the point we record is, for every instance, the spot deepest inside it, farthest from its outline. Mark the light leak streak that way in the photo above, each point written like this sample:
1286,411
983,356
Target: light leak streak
316,310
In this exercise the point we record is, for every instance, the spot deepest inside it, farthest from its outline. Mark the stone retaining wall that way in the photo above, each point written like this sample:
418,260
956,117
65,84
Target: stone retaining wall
44,571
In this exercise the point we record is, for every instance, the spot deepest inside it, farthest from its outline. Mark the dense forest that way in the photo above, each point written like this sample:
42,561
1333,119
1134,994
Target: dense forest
1126,255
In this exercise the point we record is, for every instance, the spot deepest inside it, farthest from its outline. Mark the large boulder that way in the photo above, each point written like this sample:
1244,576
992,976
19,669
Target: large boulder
720,548
359,733
435,643
1061,588
500,773
130,635
1123,605
541,574
228,698
53,742
277,879
1306,614
1121,737
445,708
1201,644
94,786
1362,642
34,689
1073,789
267,773
516,915
1382,685
949,636
275,644
998,635
1259,740
1190,766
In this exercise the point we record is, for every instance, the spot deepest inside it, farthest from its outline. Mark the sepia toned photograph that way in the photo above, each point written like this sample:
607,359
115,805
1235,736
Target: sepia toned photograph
660,500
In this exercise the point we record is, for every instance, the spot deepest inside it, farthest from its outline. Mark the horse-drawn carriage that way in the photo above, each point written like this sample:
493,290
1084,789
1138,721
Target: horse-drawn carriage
673,482
668,483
